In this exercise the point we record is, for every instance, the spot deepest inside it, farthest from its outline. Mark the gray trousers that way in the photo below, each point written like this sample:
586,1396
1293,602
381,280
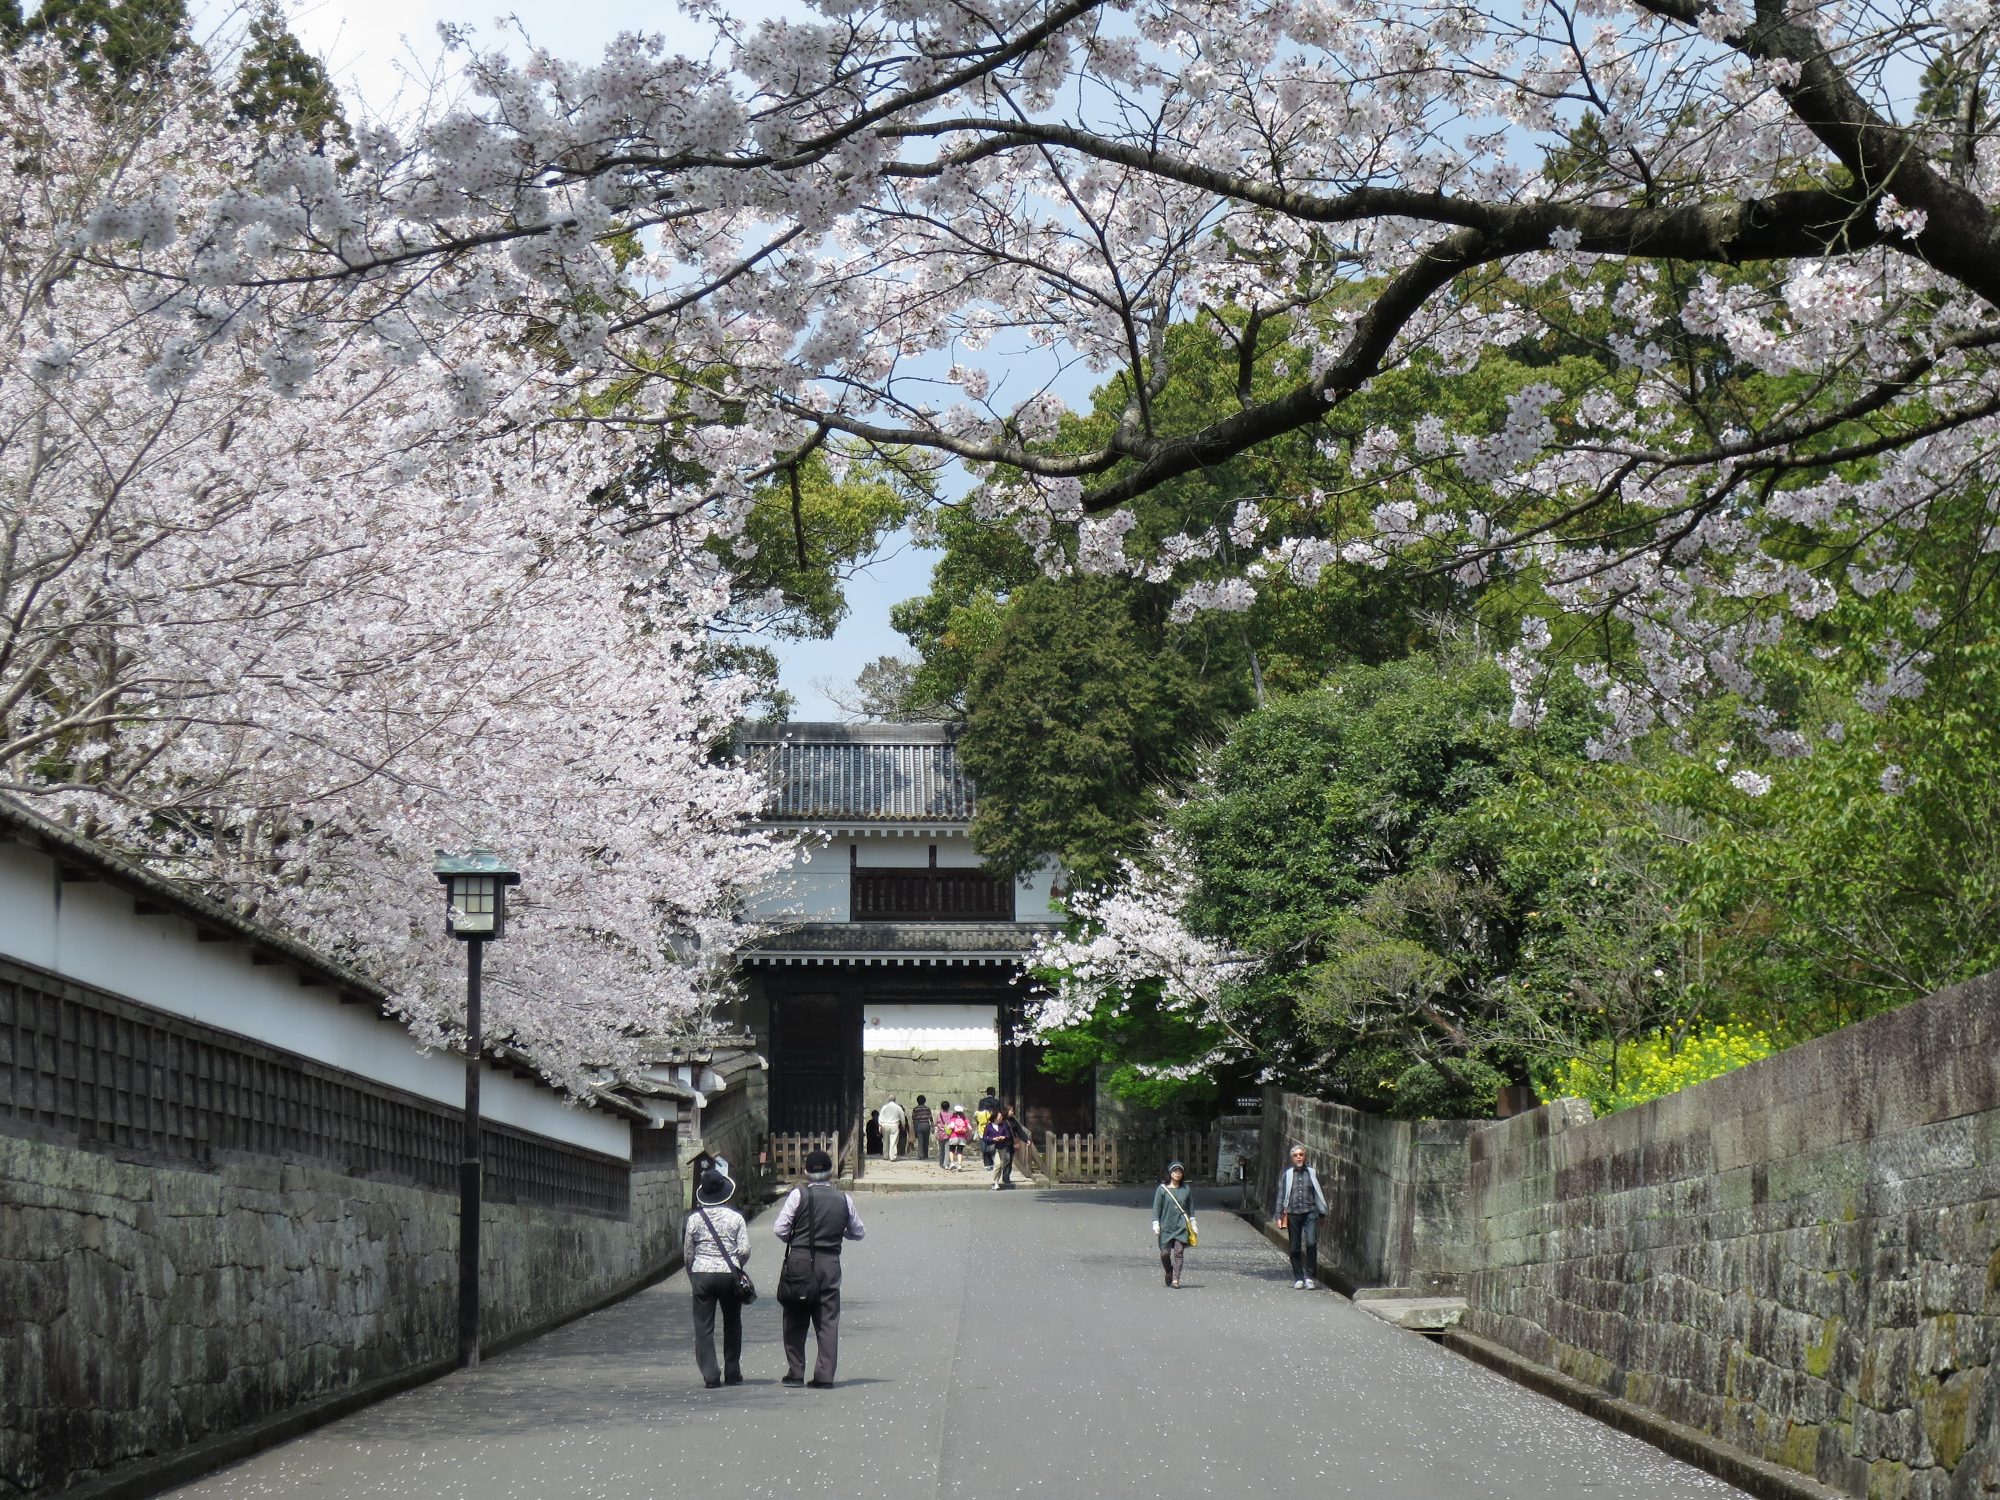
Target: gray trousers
822,1315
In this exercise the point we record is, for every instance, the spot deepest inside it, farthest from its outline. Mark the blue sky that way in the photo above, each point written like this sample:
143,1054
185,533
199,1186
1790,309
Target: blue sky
901,570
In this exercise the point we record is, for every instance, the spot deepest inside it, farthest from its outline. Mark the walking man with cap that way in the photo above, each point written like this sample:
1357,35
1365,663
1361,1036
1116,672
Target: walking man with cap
813,1222
1301,1205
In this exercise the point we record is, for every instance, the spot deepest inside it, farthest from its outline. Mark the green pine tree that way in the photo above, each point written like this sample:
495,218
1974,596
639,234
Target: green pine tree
120,43
281,85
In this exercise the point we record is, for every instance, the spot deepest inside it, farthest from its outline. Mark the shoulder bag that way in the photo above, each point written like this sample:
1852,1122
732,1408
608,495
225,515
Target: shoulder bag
746,1289
795,1277
1186,1217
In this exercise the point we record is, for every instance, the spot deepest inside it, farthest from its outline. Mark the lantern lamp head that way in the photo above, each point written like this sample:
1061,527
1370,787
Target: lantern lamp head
475,885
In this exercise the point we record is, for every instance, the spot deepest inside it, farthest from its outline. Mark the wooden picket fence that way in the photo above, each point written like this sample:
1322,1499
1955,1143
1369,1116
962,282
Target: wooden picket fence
788,1152
1116,1158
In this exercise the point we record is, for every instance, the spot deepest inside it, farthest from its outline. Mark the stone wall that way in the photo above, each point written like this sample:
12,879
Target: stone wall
736,1125
1801,1257
960,1076
1395,1187
145,1309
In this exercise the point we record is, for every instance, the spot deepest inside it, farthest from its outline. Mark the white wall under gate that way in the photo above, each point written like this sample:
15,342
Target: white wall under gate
930,1028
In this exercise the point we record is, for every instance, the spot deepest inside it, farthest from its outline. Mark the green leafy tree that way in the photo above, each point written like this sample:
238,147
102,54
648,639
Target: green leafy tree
1075,716
1341,837
805,533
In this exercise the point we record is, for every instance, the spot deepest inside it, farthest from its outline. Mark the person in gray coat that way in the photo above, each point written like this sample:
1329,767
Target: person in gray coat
1301,1205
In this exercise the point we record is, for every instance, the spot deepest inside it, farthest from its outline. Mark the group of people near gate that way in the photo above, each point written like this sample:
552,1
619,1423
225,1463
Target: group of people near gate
817,1218
991,1125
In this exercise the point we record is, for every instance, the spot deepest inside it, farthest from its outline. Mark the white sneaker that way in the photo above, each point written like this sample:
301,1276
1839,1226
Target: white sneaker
996,1187
1307,1283
1298,1286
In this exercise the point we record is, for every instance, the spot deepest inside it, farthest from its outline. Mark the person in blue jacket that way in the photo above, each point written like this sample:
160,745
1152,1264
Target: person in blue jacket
1301,1205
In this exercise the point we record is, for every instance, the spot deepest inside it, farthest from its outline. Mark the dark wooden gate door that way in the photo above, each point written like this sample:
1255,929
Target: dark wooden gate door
809,1072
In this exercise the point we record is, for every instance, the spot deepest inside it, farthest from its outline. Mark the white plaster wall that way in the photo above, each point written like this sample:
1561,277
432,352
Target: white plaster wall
912,851
929,1028
88,932
814,889
1032,896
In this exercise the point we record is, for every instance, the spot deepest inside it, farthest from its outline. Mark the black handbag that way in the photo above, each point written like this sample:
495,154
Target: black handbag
746,1289
795,1276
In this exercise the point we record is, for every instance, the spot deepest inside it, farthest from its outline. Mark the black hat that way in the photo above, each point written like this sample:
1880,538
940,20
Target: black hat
713,1190
818,1163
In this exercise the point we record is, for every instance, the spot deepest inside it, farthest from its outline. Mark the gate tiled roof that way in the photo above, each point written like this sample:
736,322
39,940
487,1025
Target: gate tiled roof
886,773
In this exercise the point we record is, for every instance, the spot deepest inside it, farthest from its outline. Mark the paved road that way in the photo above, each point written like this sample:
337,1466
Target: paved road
994,1345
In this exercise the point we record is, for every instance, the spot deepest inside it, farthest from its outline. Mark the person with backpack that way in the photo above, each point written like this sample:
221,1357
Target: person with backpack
943,1133
1173,1221
1301,1205
1017,1137
814,1221
961,1132
984,1113
997,1142
715,1243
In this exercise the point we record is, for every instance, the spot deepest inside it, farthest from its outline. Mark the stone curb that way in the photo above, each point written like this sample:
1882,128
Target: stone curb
145,1478
1755,1476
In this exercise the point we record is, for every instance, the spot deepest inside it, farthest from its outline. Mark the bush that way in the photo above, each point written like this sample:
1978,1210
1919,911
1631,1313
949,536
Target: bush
1655,1067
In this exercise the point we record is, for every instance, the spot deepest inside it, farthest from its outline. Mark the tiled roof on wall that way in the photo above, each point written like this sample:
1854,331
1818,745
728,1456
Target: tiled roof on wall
887,773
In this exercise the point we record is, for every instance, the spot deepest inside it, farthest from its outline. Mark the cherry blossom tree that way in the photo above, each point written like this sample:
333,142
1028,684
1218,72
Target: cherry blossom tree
280,617
1761,231
1130,943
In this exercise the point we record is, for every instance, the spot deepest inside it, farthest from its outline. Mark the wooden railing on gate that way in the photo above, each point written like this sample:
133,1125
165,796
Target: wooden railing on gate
1125,1158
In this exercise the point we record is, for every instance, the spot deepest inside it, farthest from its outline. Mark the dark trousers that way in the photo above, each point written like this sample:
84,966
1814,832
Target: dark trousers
1304,1230
1172,1259
823,1315
714,1289
1006,1166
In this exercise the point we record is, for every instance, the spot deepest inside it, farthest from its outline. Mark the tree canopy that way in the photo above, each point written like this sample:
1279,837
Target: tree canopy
1763,231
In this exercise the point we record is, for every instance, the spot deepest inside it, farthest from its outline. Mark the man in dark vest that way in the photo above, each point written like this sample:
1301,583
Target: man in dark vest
814,1221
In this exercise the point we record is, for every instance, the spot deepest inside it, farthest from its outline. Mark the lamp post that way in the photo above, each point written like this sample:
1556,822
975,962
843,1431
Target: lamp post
475,913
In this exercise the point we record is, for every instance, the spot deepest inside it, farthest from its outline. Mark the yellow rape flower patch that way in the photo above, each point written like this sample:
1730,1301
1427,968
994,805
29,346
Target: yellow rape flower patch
1654,1067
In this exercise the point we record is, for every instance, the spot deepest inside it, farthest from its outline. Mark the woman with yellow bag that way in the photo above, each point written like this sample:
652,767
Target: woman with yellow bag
1173,1221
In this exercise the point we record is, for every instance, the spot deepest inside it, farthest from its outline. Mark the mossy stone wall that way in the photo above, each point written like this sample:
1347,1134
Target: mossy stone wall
144,1308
